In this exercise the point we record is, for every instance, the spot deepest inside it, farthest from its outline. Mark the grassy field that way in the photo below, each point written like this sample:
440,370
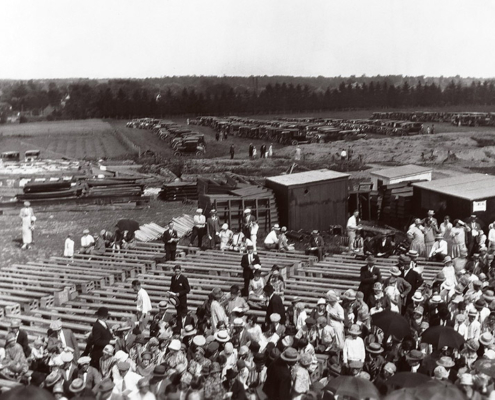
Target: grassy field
86,139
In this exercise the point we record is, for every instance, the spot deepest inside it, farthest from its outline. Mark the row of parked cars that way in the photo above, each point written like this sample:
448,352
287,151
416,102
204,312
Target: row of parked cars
455,118
182,139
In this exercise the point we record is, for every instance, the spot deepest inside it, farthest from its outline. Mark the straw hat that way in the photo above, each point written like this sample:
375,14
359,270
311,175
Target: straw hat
394,271
174,345
374,348
445,362
77,386
290,355
189,330
486,339
418,296
222,336
355,330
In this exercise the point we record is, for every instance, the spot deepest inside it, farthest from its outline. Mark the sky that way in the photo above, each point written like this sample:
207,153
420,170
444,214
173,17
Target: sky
153,38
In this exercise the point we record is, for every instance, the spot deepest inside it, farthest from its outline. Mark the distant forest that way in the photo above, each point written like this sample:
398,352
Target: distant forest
200,95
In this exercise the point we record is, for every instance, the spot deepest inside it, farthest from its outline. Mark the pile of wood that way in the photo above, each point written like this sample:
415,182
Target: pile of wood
223,185
179,191
149,232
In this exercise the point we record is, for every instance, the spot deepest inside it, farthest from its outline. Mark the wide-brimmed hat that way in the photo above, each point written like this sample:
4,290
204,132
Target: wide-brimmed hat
394,271
238,323
259,358
160,371
415,355
374,348
472,313
486,339
231,374
412,253
472,345
215,367
355,329
479,304
436,299
287,341
77,386
222,336
349,294
489,295
199,340
439,236
56,325
447,259
445,362
163,304
189,330
290,355
102,312
52,378
418,296
15,323
174,345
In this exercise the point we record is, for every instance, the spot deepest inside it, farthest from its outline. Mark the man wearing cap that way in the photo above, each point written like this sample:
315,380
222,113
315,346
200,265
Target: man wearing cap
248,261
278,380
68,369
21,336
143,305
275,305
87,242
316,245
66,337
369,274
89,375
213,229
170,238
198,229
439,250
352,225
125,380
99,338
272,239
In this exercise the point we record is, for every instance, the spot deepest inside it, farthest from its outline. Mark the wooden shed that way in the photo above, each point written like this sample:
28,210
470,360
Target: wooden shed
404,173
458,197
311,200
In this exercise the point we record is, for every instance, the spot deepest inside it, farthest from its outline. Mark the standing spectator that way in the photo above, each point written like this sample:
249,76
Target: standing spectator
143,305
248,261
369,275
170,238
270,150
217,310
69,247
251,150
410,276
248,221
26,215
232,151
275,305
343,155
179,286
397,289
199,227
298,154
100,336
263,151
254,152
458,234
213,229
301,377
473,229
352,225
491,237
279,380
354,349
87,242
445,229
416,235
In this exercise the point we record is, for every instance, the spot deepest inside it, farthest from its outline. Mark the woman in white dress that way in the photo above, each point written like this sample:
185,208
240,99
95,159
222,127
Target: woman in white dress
336,318
27,215
458,234
417,238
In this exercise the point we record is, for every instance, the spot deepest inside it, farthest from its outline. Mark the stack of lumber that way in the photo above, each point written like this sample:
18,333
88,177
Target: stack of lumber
149,232
49,190
183,225
179,191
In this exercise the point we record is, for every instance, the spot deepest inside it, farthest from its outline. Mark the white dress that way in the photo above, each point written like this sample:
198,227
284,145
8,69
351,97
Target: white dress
26,215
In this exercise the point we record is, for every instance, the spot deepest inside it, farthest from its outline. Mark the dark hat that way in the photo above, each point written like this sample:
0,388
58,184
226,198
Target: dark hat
415,355
102,312
140,339
231,374
335,369
370,258
160,371
404,259
259,358
105,385
310,321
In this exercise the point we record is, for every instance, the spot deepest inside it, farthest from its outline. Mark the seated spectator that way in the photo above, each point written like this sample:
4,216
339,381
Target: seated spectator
15,364
439,250
225,235
283,243
358,245
99,246
384,247
238,241
277,281
271,241
256,296
87,243
316,245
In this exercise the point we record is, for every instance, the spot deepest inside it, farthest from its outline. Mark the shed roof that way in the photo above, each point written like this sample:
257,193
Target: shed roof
469,186
301,178
397,172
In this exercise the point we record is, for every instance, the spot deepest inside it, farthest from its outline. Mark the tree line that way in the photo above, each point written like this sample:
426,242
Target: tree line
215,96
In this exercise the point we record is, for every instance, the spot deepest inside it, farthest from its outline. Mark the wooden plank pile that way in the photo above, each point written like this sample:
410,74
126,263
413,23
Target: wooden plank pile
179,191
149,232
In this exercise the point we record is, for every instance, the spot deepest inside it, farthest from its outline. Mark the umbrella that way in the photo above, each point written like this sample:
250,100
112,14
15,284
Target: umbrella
403,394
441,336
485,366
407,380
439,390
26,393
357,388
128,225
391,323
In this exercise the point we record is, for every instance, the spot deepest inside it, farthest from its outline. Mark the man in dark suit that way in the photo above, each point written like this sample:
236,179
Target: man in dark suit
369,275
213,229
66,337
170,238
384,247
21,336
278,377
410,276
401,284
100,337
179,286
473,229
316,245
275,305
248,261
247,223
442,317
159,381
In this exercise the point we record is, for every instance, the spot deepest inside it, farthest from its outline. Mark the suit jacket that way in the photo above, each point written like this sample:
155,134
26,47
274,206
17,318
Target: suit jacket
93,377
245,261
275,305
160,390
316,241
435,321
180,286
125,343
212,227
100,337
368,279
71,341
404,288
167,236
414,279
278,381
386,248
22,339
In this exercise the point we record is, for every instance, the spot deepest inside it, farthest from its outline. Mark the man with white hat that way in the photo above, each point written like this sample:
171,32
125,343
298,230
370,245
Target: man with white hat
473,326
89,375
247,222
66,337
198,228
87,242
271,240
439,250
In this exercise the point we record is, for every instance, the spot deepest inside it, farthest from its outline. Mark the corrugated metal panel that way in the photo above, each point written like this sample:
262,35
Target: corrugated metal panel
397,172
302,178
469,186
